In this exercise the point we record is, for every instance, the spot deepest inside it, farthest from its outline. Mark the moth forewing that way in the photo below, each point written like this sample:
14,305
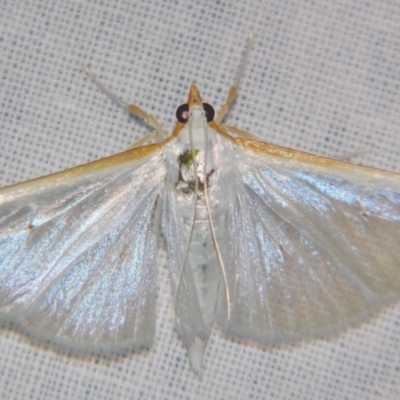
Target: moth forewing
77,250
314,234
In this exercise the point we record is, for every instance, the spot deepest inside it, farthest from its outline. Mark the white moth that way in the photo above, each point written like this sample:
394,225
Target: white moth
273,244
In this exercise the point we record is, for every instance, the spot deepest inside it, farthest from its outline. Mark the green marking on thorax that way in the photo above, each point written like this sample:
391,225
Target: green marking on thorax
187,158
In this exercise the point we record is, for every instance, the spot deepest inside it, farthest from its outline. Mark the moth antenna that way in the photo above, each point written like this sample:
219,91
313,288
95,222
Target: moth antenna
217,249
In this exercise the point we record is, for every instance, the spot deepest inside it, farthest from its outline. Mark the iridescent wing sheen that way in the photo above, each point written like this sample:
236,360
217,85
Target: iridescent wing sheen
77,252
314,244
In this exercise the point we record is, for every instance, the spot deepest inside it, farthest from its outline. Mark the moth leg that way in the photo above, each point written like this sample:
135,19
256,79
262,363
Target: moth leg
160,135
229,100
359,152
143,140
240,132
132,108
233,91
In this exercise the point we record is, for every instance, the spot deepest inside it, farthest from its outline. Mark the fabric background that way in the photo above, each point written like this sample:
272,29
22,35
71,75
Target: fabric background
323,76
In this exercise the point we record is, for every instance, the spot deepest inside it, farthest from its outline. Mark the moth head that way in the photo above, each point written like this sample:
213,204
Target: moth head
194,103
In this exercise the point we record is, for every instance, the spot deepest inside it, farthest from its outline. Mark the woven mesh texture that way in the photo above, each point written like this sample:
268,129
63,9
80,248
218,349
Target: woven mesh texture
322,77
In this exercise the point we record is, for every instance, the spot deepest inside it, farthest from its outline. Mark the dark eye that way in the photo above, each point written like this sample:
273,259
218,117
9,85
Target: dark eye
182,113
208,112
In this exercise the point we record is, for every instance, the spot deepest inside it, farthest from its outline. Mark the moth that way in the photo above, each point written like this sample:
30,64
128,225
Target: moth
272,244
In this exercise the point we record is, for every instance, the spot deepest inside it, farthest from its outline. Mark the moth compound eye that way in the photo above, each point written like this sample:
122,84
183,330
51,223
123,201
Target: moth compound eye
208,112
182,113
